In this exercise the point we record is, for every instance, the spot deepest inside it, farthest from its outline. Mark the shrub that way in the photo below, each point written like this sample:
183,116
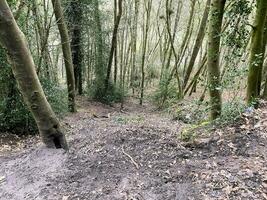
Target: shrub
15,116
165,94
113,95
193,112
231,111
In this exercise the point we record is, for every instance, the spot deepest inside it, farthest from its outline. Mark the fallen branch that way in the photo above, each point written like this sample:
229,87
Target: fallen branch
131,158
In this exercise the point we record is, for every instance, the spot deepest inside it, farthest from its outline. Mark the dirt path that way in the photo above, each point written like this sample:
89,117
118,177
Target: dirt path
135,155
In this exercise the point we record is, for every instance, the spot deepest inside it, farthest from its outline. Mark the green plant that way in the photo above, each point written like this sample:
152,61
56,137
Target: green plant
113,95
190,133
165,94
14,115
56,95
190,112
121,120
231,111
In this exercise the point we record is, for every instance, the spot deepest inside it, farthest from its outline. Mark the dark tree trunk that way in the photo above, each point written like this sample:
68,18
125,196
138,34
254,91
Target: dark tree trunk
113,44
75,16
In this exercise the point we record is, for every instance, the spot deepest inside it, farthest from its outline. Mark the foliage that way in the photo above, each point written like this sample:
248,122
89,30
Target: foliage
190,112
231,111
152,73
235,38
237,33
195,115
56,96
114,94
190,133
16,118
165,93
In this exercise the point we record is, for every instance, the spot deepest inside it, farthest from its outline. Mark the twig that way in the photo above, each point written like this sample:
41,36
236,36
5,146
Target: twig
131,158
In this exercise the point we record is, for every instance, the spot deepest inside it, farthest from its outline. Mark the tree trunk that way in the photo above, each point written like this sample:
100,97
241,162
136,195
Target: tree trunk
145,38
66,53
23,68
214,31
75,16
256,53
113,45
100,64
198,42
116,44
134,43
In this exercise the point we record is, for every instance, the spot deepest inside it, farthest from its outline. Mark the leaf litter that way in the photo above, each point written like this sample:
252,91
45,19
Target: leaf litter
137,154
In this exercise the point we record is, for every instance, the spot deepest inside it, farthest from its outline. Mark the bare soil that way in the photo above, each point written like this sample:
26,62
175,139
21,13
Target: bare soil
136,154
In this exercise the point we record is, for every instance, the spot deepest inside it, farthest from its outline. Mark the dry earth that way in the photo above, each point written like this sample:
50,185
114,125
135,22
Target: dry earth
137,155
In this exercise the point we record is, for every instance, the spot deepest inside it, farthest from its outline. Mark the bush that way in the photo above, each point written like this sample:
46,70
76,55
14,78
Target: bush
231,111
165,94
15,116
197,119
193,112
113,95
56,96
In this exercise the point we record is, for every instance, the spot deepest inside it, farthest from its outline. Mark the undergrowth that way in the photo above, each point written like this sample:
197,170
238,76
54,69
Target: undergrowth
15,116
114,94
196,117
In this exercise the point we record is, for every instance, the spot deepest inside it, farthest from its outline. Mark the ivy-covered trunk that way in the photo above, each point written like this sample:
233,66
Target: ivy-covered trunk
75,16
100,69
214,32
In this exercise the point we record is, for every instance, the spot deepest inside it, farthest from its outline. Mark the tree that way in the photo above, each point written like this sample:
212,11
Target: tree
100,64
257,52
134,44
75,16
113,44
66,53
198,43
146,25
13,40
214,38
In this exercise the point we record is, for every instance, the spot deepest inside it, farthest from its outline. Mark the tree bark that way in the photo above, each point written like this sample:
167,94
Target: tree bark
113,44
134,43
256,53
116,44
66,53
13,40
100,67
214,31
146,25
198,42
75,19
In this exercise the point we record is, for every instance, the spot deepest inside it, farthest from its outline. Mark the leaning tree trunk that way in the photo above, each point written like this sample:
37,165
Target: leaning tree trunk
214,31
257,52
66,53
198,43
13,40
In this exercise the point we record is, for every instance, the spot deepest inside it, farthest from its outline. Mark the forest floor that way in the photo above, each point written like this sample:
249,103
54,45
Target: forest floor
137,155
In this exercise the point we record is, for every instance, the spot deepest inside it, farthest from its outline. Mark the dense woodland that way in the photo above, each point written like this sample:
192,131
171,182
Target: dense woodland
201,61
